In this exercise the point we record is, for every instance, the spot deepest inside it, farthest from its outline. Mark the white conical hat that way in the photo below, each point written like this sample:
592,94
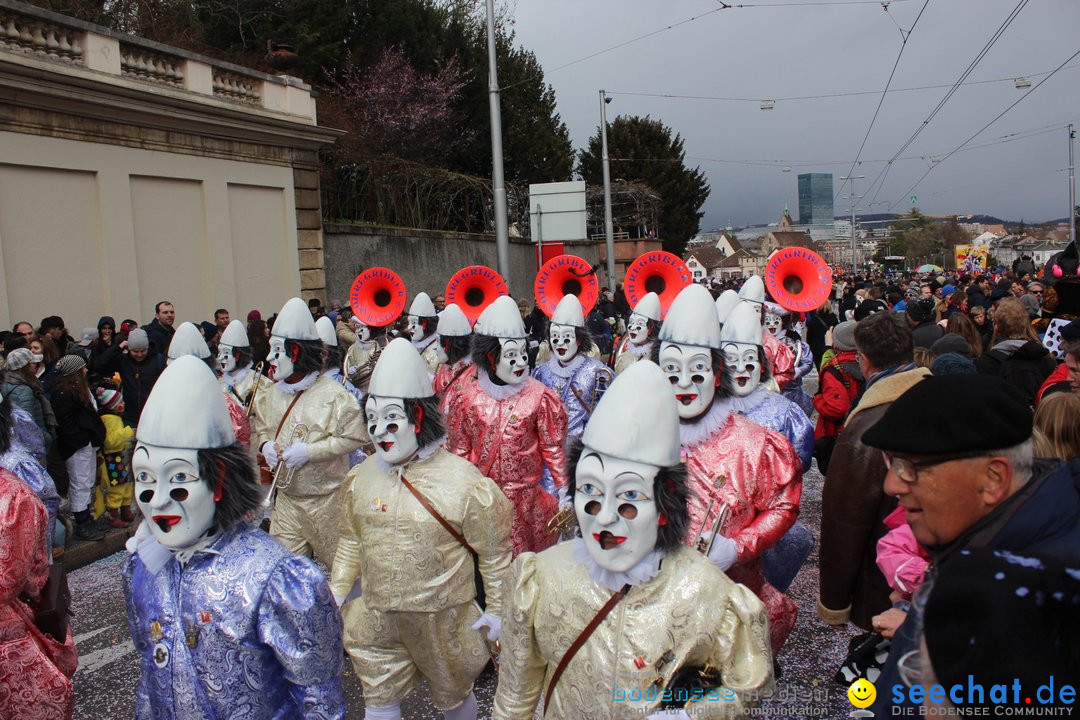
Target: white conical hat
649,306
568,312
422,306
725,304
186,409
294,322
400,372
235,335
691,319
753,289
776,309
743,325
325,327
637,418
453,323
188,340
501,319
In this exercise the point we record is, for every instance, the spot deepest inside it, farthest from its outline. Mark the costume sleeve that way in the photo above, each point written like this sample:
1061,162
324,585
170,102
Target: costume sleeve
521,667
23,566
900,559
262,424
486,526
131,604
742,653
346,337
776,499
299,620
802,435
459,428
345,428
350,552
551,423
117,434
833,402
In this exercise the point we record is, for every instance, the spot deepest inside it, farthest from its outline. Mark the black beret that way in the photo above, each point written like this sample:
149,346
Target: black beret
918,422
868,307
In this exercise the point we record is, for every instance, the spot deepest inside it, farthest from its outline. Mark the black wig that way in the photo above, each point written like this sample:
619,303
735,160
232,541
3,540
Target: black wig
582,335
241,492
669,490
427,324
306,355
7,423
486,350
334,357
242,355
456,346
431,425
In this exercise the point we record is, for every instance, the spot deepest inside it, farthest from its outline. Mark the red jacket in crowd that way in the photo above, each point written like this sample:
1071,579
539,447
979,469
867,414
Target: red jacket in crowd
833,403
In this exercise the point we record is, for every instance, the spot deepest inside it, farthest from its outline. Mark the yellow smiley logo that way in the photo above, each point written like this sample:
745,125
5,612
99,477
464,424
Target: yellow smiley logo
862,693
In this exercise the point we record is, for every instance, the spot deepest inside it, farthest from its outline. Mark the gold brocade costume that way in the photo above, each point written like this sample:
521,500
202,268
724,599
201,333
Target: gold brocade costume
359,357
429,352
306,513
625,354
413,619
688,616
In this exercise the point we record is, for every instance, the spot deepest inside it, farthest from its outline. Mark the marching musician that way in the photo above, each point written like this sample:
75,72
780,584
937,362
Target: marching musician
780,323
781,359
423,321
641,330
455,363
362,355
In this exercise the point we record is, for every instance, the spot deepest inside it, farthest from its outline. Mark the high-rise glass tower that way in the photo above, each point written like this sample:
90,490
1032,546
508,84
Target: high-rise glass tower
815,199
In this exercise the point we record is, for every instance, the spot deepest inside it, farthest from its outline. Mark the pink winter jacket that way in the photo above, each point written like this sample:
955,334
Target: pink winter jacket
899,556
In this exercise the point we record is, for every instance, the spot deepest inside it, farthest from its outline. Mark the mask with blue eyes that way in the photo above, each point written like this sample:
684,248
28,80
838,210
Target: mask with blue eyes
391,429
745,363
178,504
616,509
690,370
513,365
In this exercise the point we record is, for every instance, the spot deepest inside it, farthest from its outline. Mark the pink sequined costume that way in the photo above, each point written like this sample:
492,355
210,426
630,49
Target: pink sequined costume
449,378
781,359
764,484
511,432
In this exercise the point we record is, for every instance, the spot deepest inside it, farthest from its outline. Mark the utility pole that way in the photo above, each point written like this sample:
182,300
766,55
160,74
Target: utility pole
1072,188
609,231
853,197
498,183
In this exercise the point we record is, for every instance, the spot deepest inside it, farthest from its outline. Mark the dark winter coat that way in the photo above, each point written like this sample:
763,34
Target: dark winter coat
137,378
76,424
1025,367
160,336
926,333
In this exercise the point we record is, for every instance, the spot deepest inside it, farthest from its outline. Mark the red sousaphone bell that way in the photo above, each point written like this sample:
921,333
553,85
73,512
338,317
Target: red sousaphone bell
473,288
377,297
798,279
565,275
660,272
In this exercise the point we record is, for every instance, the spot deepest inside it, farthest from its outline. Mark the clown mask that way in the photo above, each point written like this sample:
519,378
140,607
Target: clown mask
745,363
773,323
391,429
281,365
226,359
415,328
363,332
564,344
512,367
637,329
178,503
616,510
689,368
442,351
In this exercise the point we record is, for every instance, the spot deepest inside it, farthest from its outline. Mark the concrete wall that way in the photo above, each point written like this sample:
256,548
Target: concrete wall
425,260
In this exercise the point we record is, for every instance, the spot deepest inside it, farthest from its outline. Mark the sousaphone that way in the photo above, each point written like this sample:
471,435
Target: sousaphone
566,275
798,279
473,288
377,297
660,272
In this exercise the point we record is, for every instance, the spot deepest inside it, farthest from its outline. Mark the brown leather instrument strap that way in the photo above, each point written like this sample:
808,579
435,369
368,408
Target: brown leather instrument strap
576,645
435,514
458,374
587,406
288,411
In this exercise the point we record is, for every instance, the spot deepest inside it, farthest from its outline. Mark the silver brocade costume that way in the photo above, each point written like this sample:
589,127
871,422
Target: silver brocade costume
511,440
580,385
803,363
689,609
359,357
628,353
429,352
417,606
779,414
244,631
307,512
763,487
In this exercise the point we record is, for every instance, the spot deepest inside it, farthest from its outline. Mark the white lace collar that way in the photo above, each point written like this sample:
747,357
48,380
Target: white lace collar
644,571
201,545
746,404
333,373
236,376
640,350
364,344
422,454
499,392
293,388
694,433
568,370
421,345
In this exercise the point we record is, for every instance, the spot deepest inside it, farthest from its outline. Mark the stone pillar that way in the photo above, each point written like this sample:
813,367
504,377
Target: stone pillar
309,232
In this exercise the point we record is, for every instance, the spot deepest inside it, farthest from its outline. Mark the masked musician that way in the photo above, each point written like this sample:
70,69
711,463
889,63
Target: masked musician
455,362
510,426
188,340
751,470
674,612
364,353
226,622
579,380
780,323
641,330
414,515
237,377
781,359
310,426
423,321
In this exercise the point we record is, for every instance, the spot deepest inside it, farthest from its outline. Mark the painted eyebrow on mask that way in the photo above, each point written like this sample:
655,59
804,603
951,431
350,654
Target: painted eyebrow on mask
598,458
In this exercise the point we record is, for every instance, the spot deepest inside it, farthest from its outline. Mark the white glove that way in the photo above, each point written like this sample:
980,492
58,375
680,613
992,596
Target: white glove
491,623
678,714
296,455
724,552
351,370
270,453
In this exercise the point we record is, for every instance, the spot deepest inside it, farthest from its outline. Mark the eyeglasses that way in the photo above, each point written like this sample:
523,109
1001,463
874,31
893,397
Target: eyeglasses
908,470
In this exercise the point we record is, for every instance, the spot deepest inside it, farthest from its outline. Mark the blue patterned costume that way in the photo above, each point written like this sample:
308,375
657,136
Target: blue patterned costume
22,460
579,385
793,391
245,630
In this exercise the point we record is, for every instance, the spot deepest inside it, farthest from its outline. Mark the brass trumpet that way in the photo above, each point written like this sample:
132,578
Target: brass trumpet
257,370
283,475
560,522
721,517
363,373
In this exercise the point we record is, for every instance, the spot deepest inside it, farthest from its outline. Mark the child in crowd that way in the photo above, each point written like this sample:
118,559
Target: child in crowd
114,476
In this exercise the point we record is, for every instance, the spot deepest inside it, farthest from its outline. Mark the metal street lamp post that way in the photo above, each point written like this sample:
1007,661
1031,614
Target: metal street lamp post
498,183
609,232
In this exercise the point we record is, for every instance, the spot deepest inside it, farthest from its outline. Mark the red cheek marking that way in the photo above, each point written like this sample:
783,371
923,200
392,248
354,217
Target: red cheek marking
662,521
419,419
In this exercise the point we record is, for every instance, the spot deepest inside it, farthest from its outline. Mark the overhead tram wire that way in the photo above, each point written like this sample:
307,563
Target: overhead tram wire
961,146
884,173
882,99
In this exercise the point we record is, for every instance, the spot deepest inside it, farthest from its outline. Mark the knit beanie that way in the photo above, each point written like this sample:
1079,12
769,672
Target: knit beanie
137,340
108,399
69,365
952,363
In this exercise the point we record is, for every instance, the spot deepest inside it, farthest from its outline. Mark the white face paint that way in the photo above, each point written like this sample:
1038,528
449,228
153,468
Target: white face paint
415,329
226,358
513,365
689,368
391,429
178,503
745,364
616,510
773,323
281,365
363,332
441,353
564,342
637,328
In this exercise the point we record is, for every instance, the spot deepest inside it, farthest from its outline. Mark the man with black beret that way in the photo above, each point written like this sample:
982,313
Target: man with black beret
920,316
966,486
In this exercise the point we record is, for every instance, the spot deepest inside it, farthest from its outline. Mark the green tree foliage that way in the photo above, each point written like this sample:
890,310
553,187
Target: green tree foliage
645,150
921,240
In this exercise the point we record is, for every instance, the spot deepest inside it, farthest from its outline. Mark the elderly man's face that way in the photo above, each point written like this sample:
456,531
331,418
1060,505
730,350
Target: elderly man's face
26,330
926,291
439,302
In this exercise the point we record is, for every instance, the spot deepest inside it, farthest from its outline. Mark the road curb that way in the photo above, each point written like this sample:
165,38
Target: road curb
85,552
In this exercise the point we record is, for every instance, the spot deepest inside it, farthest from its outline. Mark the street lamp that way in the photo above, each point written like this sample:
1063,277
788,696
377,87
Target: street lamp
498,183
609,231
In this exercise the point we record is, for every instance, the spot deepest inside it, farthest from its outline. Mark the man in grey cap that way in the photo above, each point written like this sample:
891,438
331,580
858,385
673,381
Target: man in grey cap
139,367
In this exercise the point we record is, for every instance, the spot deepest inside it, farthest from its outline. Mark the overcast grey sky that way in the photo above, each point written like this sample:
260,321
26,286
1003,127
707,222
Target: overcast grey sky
804,48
